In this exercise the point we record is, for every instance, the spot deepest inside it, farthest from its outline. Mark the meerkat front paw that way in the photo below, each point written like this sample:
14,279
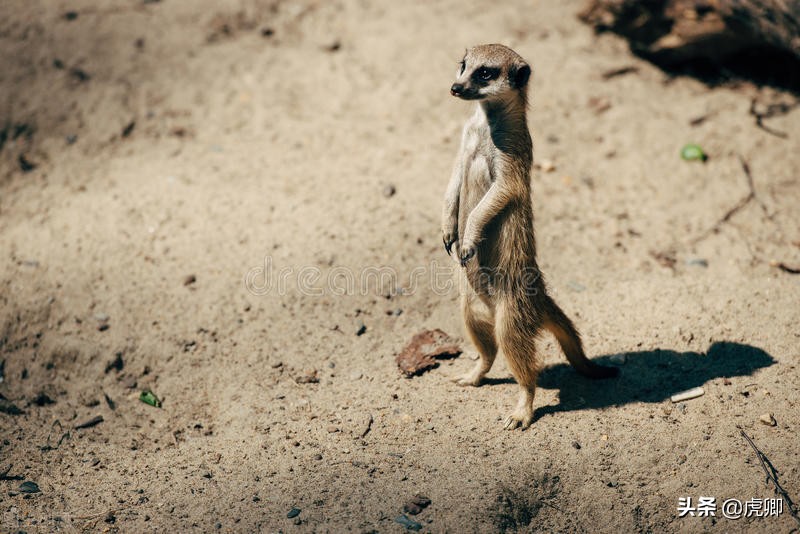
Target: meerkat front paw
467,252
449,238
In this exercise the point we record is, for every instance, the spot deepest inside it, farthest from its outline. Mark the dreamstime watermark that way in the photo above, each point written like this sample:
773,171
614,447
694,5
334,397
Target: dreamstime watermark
436,277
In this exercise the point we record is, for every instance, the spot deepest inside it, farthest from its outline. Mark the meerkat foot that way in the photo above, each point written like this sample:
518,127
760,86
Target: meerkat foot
522,416
472,378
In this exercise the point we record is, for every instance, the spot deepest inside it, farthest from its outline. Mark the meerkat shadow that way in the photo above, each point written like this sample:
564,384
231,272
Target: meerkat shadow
649,376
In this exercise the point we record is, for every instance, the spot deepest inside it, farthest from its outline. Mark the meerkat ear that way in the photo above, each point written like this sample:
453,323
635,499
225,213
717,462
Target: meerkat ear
520,76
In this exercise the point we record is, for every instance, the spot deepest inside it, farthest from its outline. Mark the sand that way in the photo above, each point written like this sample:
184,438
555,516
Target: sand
182,150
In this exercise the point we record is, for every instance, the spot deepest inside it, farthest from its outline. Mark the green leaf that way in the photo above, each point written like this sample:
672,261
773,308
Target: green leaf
148,397
692,152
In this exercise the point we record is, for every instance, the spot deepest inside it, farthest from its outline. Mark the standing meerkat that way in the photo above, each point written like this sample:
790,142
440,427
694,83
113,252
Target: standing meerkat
488,222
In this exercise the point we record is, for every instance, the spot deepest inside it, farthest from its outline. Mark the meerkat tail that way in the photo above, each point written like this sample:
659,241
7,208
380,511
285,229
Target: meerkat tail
570,340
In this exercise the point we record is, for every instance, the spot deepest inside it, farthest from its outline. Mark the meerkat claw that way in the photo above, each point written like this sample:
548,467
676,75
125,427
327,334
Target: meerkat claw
467,255
514,421
448,245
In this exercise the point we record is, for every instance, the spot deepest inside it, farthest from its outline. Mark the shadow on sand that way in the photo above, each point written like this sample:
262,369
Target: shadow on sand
649,376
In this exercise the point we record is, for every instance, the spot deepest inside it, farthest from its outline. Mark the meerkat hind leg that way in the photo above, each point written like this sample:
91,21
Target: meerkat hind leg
480,327
518,342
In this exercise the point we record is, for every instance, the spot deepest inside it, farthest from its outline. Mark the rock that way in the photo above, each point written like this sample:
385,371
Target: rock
618,359
189,279
8,407
101,317
576,445
355,375
116,364
547,165
688,394
362,328
416,504
768,419
29,487
294,512
696,262
389,190
332,429
309,376
422,351
409,524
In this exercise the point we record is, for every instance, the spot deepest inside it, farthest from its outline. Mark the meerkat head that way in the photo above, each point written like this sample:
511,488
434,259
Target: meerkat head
491,72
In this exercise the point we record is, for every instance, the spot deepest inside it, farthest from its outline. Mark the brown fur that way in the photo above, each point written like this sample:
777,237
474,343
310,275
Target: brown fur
488,221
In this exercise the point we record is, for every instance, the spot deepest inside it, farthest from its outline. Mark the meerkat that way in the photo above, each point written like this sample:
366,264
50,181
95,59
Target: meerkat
488,223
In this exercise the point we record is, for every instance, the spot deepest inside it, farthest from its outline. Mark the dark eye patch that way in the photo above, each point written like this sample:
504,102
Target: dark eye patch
485,74
463,66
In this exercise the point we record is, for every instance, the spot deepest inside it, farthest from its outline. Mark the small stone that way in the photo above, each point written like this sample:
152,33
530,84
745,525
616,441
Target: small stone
332,428
309,376
768,419
101,317
682,459
276,364
362,328
389,190
318,457
618,359
576,445
612,483
429,426
604,437
29,487
697,262
547,165
189,279
355,375
294,512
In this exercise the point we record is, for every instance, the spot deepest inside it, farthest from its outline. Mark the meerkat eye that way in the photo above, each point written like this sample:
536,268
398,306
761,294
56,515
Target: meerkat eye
463,66
485,74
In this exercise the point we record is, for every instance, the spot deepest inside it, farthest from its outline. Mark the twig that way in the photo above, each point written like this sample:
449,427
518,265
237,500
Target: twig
772,110
751,195
772,475
553,506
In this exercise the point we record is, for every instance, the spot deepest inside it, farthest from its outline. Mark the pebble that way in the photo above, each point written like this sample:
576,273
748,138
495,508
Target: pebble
619,359
332,428
688,394
101,317
697,262
189,279
29,487
355,375
389,190
576,445
294,512
410,524
768,419
547,165
361,329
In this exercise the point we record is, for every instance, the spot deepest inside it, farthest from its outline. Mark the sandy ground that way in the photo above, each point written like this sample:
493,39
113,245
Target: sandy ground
208,217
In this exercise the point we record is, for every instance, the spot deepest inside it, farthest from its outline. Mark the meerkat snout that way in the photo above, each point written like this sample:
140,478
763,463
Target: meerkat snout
490,72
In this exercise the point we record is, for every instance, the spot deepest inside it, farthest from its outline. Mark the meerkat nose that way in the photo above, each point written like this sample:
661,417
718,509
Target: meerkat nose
456,89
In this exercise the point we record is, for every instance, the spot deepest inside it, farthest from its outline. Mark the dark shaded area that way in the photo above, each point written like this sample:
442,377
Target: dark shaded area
717,42
650,376
763,66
